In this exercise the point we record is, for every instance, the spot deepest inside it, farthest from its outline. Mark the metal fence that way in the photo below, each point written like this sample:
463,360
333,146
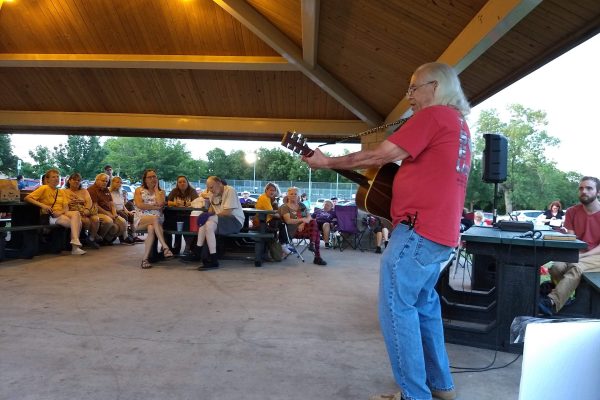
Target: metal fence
316,190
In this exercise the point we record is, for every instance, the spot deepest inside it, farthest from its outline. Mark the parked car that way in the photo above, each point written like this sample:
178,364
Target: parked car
129,190
526,215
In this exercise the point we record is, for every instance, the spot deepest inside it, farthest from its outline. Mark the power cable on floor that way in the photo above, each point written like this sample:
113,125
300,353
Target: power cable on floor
488,367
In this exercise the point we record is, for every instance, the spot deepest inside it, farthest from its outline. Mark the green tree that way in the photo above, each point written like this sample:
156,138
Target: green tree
532,180
129,157
218,162
8,161
43,160
83,154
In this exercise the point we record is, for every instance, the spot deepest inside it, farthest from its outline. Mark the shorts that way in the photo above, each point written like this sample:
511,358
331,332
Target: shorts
228,224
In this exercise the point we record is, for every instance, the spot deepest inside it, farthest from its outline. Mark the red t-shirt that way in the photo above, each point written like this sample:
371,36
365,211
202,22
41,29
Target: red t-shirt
432,181
586,226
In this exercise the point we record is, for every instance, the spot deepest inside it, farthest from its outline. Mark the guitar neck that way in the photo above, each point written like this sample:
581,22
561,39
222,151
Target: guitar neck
297,143
354,176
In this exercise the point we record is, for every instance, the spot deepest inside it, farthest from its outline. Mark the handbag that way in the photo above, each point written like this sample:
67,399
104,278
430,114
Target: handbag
45,217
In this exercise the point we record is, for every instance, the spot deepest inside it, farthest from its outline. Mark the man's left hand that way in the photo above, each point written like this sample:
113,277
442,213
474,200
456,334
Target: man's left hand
317,160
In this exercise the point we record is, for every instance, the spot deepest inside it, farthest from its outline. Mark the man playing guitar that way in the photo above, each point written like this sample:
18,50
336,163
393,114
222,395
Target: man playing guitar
428,195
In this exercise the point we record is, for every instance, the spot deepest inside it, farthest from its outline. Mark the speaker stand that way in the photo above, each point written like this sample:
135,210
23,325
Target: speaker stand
494,203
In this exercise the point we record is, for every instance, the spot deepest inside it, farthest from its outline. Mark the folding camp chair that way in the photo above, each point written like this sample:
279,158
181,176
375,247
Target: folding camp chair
299,246
348,232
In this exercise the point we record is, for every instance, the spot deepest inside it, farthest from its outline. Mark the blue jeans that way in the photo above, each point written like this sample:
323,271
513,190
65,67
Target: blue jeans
410,313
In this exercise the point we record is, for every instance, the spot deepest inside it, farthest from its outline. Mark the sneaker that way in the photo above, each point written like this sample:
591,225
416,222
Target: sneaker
327,245
378,250
546,306
92,243
285,250
77,251
319,261
443,394
127,240
76,242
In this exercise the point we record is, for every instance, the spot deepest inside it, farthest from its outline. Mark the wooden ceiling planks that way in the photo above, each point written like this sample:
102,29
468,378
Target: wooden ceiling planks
371,50
172,92
284,14
126,27
370,46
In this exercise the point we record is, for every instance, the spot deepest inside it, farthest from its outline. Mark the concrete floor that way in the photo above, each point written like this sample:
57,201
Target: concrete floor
99,327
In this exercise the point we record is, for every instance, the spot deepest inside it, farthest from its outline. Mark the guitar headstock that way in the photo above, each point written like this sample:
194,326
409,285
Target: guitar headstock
296,143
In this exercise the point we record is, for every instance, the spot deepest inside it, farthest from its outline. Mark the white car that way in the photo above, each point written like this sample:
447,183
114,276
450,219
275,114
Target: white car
526,215
129,190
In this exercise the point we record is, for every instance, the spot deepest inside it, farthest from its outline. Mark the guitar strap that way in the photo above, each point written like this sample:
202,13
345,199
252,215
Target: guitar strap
400,122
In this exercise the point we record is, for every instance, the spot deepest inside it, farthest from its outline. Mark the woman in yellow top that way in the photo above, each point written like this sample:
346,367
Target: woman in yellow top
268,201
53,202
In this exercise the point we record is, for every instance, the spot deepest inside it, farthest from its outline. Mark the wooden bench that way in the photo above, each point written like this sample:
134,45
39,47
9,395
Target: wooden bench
592,281
25,246
258,238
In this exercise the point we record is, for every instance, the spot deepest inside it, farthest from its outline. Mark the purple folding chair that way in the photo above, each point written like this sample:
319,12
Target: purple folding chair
347,232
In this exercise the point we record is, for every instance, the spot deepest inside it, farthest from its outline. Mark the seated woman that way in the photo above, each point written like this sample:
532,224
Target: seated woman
325,218
268,201
53,202
224,216
78,199
479,219
119,199
181,196
149,200
554,215
299,223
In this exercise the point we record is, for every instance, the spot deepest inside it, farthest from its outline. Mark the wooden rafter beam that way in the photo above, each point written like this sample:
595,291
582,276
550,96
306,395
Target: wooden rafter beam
233,63
191,127
262,28
310,31
493,21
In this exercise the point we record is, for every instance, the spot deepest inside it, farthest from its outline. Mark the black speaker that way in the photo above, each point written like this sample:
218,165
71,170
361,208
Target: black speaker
495,158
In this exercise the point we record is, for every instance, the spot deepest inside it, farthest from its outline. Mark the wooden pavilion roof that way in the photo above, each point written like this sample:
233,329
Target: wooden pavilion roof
250,70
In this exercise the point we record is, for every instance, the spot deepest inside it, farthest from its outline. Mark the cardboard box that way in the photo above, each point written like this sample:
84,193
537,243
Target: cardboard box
9,190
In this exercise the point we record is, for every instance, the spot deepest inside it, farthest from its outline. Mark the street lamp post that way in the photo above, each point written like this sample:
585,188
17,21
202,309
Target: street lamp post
251,158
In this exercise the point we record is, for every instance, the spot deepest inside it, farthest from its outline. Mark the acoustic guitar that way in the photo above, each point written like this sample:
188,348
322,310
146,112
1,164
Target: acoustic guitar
374,194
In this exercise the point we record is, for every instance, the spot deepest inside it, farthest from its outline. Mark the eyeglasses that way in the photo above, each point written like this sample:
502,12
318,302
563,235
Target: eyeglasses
413,88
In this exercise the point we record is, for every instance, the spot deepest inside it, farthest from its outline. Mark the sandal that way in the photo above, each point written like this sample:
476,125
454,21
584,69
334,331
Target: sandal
146,264
168,253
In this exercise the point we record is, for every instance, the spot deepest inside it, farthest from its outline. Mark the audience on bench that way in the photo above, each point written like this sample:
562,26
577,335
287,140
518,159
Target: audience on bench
224,216
109,227
182,196
79,200
268,201
101,212
149,200
122,216
53,204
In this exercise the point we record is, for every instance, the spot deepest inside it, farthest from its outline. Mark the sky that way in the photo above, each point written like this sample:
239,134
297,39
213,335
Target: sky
566,89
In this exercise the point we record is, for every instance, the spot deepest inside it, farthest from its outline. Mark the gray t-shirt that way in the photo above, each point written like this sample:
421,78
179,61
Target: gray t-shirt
228,201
